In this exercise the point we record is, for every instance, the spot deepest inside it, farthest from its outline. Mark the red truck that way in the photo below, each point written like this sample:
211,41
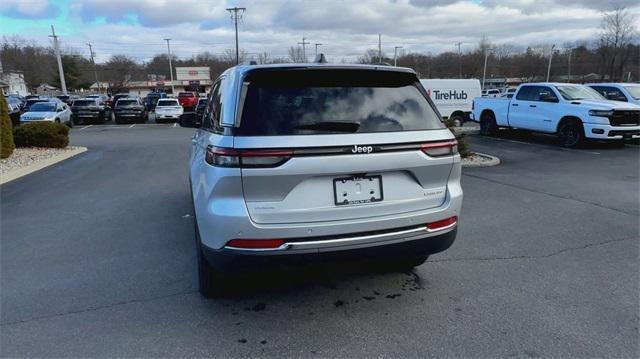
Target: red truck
188,100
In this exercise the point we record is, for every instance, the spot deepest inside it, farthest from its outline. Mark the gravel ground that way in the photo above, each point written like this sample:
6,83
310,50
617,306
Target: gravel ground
26,156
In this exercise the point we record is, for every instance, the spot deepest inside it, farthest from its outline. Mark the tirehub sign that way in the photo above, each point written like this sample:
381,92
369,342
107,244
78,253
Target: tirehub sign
447,95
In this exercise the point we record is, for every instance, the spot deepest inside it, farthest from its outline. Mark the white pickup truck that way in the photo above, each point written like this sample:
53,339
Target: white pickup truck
573,112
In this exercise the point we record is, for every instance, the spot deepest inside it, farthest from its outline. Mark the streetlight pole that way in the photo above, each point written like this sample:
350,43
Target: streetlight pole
395,55
173,90
550,57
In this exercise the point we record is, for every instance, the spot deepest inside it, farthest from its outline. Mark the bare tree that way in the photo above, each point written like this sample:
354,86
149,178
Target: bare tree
617,31
295,54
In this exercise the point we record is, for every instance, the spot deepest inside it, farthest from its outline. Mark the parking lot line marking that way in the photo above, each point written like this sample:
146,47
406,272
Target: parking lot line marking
541,145
132,125
86,127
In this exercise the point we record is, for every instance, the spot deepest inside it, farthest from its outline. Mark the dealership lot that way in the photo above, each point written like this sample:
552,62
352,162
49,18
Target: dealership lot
98,259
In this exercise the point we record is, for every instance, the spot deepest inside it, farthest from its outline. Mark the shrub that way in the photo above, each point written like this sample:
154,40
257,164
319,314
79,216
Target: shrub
42,134
463,146
6,136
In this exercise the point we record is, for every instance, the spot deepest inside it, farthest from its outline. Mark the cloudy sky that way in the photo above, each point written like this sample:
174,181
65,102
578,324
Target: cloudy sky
346,28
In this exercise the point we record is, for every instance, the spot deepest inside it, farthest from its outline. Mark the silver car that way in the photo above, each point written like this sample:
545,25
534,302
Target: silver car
305,162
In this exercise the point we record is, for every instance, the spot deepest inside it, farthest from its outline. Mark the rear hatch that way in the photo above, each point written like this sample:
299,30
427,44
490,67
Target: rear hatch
322,145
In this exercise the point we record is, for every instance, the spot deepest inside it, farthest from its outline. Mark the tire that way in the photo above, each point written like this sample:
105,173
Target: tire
119,121
571,134
488,126
457,120
211,283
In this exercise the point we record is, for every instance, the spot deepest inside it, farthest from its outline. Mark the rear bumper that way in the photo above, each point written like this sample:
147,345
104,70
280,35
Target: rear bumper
226,259
608,132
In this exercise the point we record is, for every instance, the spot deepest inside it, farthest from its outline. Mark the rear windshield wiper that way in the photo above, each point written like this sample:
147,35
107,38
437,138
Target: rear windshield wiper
330,126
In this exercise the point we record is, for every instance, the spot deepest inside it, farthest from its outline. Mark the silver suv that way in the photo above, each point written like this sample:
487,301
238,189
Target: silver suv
308,161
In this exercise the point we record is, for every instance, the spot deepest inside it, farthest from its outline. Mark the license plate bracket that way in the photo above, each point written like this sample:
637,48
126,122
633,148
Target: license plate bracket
356,190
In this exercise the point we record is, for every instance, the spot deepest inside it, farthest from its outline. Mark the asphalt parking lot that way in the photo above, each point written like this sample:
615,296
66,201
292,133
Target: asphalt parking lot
98,259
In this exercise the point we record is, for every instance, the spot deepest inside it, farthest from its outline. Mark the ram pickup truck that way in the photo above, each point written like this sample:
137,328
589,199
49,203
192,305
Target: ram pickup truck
575,113
188,100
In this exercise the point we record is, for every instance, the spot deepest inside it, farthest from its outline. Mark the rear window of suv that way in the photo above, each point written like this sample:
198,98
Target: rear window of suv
162,103
84,103
309,102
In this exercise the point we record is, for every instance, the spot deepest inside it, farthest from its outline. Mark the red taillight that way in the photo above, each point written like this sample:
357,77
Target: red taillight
434,226
442,148
255,243
227,157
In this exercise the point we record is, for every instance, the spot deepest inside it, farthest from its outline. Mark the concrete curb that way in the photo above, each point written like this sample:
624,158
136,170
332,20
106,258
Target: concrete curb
21,172
488,161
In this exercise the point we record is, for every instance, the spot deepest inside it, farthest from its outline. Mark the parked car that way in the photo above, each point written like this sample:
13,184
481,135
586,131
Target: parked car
112,101
188,100
68,99
32,101
13,107
151,99
298,177
51,111
624,92
453,97
89,110
202,103
574,112
168,109
491,93
129,110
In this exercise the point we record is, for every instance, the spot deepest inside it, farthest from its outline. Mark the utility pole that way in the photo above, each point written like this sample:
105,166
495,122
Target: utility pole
95,69
63,84
395,55
380,48
234,14
304,53
550,57
569,66
459,60
317,44
173,90
484,71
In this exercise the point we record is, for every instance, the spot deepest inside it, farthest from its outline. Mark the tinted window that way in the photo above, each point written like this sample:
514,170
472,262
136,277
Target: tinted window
526,93
127,103
167,103
43,107
186,94
306,102
84,103
610,93
211,117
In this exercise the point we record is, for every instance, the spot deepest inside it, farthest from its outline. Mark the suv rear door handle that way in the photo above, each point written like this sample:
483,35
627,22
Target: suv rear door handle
514,104
532,105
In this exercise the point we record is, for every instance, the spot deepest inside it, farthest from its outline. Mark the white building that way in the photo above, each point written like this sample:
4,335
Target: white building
15,83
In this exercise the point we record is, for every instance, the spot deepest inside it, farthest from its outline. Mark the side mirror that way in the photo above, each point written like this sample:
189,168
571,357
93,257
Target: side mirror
189,119
548,98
